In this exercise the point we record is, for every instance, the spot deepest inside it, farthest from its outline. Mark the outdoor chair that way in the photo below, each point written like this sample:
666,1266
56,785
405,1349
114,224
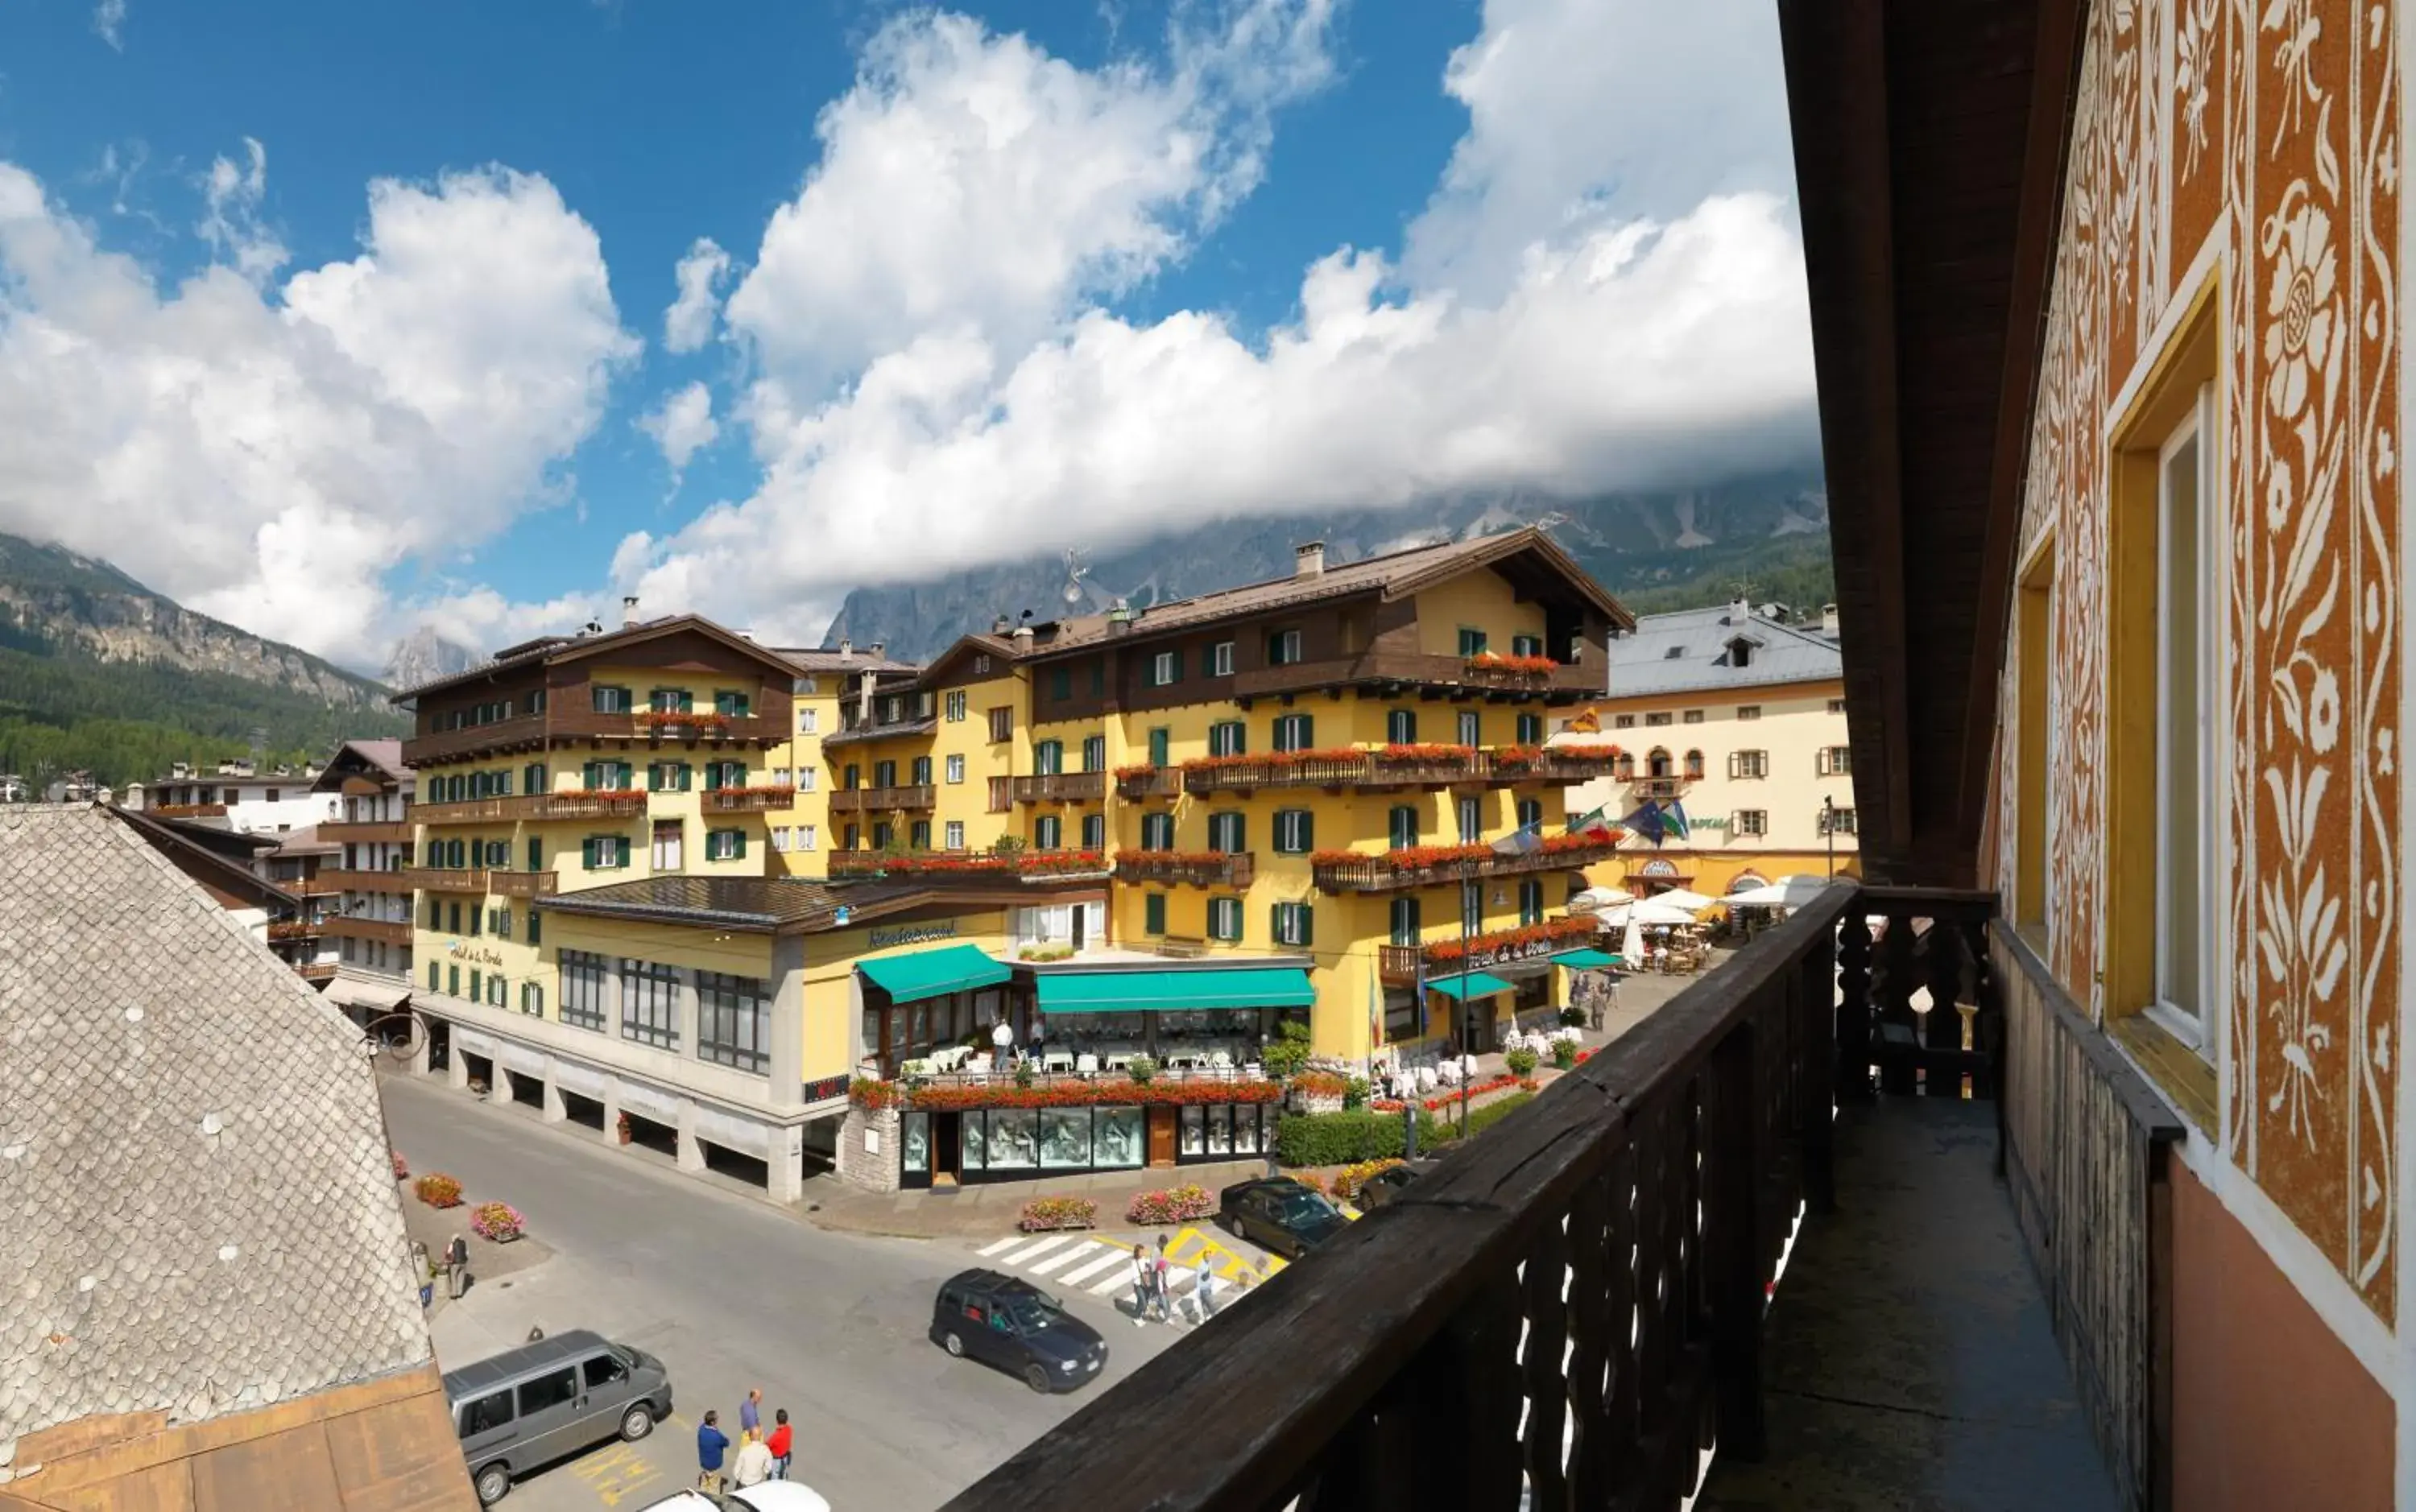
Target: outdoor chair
1086,1065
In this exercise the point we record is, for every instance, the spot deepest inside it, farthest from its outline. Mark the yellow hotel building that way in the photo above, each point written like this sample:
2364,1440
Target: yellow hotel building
674,881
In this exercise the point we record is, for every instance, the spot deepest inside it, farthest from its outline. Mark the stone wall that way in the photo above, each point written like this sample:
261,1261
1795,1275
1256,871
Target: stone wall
868,1149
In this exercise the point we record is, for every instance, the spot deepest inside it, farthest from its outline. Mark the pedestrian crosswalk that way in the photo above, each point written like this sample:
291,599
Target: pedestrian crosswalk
1074,1262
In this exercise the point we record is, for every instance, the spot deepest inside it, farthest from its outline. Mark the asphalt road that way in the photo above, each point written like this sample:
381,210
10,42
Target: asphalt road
730,1293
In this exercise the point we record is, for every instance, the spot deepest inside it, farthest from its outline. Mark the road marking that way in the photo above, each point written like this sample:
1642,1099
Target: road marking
1025,1256
1043,1267
1120,1281
1106,1262
614,1471
1002,1245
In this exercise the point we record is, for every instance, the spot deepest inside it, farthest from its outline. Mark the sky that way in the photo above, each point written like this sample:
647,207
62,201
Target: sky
336,320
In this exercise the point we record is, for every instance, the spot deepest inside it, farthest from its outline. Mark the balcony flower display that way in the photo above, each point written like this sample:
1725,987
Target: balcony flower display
1276,760
1485,661
1424,750
760,790
1522,757
602,795
702,719
1526,940
871,1095
1138,773
1421,858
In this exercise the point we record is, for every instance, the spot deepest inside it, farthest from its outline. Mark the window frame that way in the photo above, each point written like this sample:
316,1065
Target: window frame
2198,432
742,1006
1221,659
640,1022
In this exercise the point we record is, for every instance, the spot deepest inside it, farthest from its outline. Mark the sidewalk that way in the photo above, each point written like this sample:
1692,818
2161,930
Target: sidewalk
988,1211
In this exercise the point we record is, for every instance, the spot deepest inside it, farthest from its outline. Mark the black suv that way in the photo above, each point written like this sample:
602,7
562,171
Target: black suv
1015,1326
1279,1213
1387,1184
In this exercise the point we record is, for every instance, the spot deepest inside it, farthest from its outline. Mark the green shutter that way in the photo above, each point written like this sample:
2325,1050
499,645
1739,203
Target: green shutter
1153,914
1177,654
1275,923
1308,925
588,853
535,932
1158,747
738,845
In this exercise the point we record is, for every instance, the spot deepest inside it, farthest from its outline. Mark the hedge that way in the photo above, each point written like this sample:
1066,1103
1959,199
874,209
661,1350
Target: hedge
1481,1119
1346,1138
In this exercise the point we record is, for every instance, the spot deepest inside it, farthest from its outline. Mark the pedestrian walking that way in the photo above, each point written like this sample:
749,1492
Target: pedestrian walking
1144,1284
1203,1289
751,1412
1165,1285
753,1466
779,1444
456,1268
711,1445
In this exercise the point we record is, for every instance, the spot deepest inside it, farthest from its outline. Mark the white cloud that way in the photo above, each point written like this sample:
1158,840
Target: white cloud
109,21
687,324
231,219
267,455
681,426
1603,318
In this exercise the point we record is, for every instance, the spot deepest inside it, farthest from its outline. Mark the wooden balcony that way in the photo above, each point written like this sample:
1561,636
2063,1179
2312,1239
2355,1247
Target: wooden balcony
186,811
444,878
365,882
316,971
1335,770
520,884
1575,1308
367,833
1666,786
1449,675
295,928
1062,787
916,798
352,926
1386,871
1168,868
1133,784
320,886
972,867
535,807
531,732
520,733
769,799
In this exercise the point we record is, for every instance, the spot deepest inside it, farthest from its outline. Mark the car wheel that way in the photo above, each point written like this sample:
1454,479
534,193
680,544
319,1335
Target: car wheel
956,1346
494,1484
636,1423
1037,1377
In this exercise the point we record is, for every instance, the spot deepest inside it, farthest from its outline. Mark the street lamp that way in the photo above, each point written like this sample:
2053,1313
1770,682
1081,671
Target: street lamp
1467,880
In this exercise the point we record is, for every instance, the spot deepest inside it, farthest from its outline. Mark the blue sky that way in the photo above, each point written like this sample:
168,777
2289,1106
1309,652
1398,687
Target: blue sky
334,320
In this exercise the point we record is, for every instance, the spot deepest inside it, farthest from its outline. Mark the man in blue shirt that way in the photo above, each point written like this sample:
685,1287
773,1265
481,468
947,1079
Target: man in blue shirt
711,1444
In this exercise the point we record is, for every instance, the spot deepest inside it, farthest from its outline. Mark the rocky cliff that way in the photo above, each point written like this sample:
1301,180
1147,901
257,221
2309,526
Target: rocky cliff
423,656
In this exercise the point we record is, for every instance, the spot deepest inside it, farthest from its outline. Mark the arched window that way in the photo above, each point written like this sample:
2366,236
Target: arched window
1695,765
1623,767
1657,764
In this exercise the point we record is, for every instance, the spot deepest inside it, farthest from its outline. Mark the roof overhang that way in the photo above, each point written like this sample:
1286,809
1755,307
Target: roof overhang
586,648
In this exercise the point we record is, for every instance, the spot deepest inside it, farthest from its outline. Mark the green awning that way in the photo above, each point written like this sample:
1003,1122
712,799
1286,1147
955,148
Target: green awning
1585,960
1162,992
1475,985
951,968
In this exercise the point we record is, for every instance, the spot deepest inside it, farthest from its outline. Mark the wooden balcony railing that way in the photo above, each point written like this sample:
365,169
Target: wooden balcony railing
186,811
770,798
1400,964
1665,786
444,878
1062,787
617,803
1392,871
520,884
1333,768
909,797
974,866
366,831
1219,869
518,733
295,928
319,885
1134,782
532,731
1415,669
365,882
316,971
352,926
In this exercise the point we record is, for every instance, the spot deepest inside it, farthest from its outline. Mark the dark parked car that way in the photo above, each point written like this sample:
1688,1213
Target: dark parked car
1385,1185
1011,1323
1279,1213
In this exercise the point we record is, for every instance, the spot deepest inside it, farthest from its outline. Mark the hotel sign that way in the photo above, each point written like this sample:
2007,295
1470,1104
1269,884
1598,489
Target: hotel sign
938,929
474,954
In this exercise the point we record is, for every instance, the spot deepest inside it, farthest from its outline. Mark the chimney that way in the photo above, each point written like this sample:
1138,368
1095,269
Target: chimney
1022,638
1001,625
1308,561
1828,619
1739,610
1119,617
846,647
878,646
629,611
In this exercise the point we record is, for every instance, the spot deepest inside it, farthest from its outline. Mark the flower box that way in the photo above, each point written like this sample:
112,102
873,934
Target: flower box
437,1190
1046,1215
866,1092
1174,1204
1494,661
496,1222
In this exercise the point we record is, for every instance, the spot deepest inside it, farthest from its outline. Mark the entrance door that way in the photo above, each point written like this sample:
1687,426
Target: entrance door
947,1147
1161,1136
1081,913
1477,1016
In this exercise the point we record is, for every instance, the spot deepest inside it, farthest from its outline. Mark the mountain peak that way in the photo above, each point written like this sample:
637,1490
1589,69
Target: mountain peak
423,656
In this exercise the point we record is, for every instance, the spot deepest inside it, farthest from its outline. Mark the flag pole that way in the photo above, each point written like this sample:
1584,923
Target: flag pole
1467,876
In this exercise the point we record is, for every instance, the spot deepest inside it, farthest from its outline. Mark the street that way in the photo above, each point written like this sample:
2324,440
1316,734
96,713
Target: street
730,1293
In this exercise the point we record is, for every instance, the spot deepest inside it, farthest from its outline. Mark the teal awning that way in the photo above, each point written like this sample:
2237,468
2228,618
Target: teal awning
1585,960
951,968
1475,985
1161,992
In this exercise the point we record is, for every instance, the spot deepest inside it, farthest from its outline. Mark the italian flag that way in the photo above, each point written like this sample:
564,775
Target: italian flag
1596,825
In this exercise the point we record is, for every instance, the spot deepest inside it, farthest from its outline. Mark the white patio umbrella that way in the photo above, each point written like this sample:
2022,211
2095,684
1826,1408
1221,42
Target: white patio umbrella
1682,898
1596,900
1787,893
1660,911
1630,948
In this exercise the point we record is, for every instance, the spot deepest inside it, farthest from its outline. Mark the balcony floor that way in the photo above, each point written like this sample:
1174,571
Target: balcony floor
1909,1359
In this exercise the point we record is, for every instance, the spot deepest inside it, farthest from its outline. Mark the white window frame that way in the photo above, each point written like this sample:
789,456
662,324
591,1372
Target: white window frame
805,778
1161,669
806,837
954,705
1754,822
1219,909
955,768
981,665
2190,1026
810,721
954,833
1221,659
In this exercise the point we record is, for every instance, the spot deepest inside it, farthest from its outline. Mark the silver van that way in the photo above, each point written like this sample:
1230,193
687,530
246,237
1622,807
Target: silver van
546,1400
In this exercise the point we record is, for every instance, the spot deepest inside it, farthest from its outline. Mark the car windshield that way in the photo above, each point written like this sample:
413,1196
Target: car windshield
1304,1207
1033,1314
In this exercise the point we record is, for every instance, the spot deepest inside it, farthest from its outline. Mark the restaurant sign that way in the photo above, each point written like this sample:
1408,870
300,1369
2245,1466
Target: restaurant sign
938,929
474,954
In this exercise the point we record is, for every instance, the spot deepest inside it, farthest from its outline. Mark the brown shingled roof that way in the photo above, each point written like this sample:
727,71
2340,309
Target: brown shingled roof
568,648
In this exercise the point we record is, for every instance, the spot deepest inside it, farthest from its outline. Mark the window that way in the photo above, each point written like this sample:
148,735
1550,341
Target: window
1001,794
532,779
1152,913
1529,729
1002,725
806,837
1095,754
1295,831
1047,833
1295,732
1657,721
1748,763
601,1371
666,854
1165,669
452,982
1836,761
533,999
1836,706
1158,740
554,1388
1405,922
432,976
725,845
671,700
1226,833
1694,766
605,853
1283,648
536,858
2034,736
486,1414
955,704
609,700
919,773
981,664
780,834
848,836
1692,716
1622,722
536,930
732,704
1469,727
1472,819
607,776
919,835
477,990
1049,757
1471,907
1748,711
1221,659
734,1021
2183,677
1472,641
1530,812
495,997
435,913
453,916
1060,683
501,923
1401,827
884,774
1741,651
1837,821
810,721
1752,822
1526,645
1530,901
650,1003
1228,738
670,777
1401,726
1295,925
1094,832
1223,919
1158,831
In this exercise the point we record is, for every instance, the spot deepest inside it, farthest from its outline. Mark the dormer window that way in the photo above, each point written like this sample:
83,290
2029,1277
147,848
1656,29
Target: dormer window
1741,650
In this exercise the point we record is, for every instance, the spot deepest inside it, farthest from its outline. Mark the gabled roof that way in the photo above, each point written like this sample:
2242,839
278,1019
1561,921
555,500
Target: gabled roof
1002,647
382,757
555,650
200,1218
1687,652
831,659
208,856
